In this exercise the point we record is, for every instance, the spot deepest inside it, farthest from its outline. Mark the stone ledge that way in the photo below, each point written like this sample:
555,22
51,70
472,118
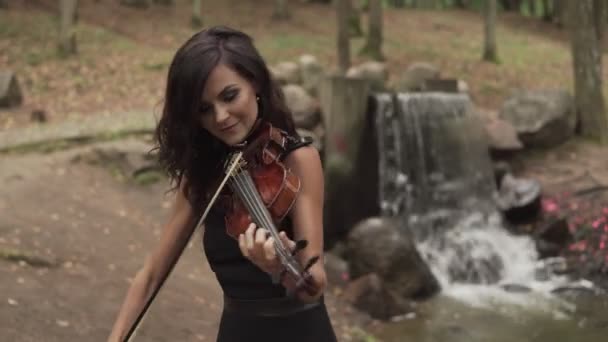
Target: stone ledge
78,130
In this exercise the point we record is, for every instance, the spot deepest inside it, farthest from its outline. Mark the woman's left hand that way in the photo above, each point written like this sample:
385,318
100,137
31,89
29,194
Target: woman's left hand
257,246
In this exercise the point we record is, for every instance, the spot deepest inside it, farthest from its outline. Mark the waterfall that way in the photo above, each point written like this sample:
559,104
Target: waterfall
436,175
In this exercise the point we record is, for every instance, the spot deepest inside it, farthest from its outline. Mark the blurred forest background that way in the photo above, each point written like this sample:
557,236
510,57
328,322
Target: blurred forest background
533,70
81,57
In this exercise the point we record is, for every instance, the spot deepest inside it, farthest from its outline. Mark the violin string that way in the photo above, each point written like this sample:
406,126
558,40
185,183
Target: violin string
245,184
255,205
268,224
248,198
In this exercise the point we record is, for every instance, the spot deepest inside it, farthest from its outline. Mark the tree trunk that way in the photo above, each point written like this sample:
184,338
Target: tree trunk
373,45
600,21
197,17
532,8
354,20
547,11
560,12
344,105
281,11
343,43
67,30
397,3
587,64
489,46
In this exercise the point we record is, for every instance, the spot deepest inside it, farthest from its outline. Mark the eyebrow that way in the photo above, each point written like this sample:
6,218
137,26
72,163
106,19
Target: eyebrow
221,93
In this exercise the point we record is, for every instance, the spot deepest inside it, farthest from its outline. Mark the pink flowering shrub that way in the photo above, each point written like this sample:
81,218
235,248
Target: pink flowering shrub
588,223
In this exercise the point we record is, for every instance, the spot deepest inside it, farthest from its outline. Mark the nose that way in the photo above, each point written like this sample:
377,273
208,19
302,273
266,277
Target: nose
221,114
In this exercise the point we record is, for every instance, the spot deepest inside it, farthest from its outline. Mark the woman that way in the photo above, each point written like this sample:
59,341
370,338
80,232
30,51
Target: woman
219,91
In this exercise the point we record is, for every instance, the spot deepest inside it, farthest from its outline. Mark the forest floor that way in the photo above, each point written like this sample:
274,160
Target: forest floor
73,233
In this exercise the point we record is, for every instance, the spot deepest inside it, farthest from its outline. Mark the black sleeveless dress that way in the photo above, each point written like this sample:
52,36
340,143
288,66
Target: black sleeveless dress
242,280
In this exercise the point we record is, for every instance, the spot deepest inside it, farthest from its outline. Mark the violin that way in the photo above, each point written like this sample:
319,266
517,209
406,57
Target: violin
262,190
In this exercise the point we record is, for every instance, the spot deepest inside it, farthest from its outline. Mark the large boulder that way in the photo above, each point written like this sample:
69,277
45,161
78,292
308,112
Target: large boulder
541,118
376,245
311,73
10,92
305,109
415,77
368,294
286,73
501,134
374,72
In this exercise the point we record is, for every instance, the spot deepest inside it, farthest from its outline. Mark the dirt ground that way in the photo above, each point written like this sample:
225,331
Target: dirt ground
73,234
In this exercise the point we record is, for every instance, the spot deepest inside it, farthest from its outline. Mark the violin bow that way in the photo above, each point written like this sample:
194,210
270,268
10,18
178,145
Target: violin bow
135,326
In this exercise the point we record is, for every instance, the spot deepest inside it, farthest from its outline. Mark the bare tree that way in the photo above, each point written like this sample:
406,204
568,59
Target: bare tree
489,46
143,4
197,18
547,14
354,20
67,30
343,42
587,63
600,11
281,11
373,45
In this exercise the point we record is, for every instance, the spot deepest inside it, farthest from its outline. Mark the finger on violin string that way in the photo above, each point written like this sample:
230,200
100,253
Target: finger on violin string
249,236
261,236
269,250
290,244
243,245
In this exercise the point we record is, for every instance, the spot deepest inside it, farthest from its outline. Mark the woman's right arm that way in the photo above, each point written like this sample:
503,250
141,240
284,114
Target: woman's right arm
173,238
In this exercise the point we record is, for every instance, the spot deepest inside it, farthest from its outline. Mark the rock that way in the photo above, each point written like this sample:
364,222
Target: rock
515,288
501,169
374,72
123,164
553,237
414,78
10,91
368,294
305,109
474,268
336,269
39,115
502,136
286,73
541,118
376,245
311,73
519,199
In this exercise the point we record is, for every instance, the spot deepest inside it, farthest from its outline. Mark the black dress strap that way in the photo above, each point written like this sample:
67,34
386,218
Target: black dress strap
295,142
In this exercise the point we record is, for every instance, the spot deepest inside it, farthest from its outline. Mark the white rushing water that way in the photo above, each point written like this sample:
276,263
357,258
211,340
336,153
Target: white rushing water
516,266
436,173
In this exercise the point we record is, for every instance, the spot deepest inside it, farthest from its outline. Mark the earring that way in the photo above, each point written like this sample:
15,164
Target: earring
257,98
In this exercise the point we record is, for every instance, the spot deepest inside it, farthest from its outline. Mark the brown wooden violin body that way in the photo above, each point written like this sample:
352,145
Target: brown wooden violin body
263,190
276,184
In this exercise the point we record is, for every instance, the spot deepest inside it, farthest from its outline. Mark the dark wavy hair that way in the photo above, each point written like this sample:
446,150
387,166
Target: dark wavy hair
186,151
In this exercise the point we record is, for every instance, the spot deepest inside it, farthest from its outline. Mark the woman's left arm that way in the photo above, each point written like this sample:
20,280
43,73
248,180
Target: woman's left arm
307,213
